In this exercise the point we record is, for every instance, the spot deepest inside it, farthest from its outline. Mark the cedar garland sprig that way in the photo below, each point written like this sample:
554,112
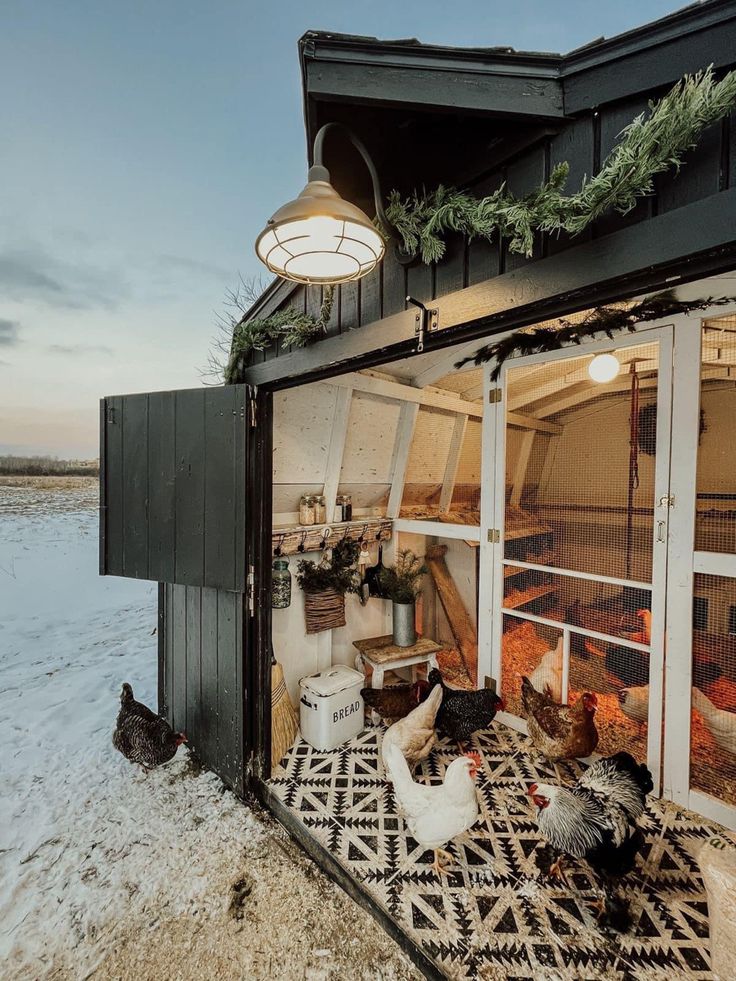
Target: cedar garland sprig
649,145
291,328
602,320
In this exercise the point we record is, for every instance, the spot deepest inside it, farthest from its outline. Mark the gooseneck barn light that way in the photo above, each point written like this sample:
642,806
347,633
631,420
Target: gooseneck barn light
604,368
319,237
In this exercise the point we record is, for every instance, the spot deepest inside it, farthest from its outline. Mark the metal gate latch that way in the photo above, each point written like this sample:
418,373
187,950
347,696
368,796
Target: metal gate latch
426,321
667,501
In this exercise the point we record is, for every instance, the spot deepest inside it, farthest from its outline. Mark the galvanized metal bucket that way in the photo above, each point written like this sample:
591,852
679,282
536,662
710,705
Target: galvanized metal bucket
404,632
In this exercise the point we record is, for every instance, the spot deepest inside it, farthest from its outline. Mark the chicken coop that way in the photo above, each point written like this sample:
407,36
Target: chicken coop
574,508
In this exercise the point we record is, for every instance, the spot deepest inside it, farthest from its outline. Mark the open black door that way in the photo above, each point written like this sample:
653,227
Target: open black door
173,486
175,469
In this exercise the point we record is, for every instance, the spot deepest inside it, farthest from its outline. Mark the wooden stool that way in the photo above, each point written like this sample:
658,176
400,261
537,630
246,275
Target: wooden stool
381,655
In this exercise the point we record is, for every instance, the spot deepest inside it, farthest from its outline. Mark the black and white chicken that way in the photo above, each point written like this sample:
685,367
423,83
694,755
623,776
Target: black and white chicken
596,820
141,736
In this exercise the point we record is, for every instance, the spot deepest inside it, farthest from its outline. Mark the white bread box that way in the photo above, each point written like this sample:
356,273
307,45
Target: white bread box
331,706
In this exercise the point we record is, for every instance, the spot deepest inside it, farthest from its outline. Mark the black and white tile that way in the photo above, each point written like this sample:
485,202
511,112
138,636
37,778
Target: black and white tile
495,915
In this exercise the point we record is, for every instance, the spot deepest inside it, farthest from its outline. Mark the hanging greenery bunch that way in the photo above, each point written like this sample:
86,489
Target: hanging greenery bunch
339,573
648,146
289,327
601,320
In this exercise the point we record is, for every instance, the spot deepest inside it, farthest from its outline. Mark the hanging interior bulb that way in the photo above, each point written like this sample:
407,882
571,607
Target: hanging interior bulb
604,368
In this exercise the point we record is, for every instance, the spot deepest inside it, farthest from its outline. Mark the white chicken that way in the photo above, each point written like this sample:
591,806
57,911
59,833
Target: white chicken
720,724
547,676
415,734
436,815
635,702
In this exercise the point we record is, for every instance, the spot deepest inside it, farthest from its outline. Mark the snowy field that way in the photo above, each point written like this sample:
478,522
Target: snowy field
106,872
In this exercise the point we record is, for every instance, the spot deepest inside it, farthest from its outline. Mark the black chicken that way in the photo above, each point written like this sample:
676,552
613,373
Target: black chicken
464,712
596,820
141,736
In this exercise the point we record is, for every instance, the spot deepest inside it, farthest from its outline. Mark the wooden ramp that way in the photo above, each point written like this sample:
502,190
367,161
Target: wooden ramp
466,638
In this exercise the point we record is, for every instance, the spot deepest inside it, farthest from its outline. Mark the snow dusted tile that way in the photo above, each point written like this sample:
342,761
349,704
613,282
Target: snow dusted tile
494,915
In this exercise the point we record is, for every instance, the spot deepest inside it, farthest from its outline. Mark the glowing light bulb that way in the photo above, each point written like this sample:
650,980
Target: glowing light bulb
604,368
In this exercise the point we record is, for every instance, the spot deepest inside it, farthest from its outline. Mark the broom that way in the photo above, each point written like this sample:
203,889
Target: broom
284,724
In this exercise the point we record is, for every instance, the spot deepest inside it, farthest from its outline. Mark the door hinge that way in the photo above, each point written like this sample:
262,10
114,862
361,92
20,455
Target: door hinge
494,535
667,501
494,395
252,411
426,320
250,590
110,415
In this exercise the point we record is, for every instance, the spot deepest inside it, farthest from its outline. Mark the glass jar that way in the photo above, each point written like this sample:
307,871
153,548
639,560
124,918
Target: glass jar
320,510
280,585
344,507
306,510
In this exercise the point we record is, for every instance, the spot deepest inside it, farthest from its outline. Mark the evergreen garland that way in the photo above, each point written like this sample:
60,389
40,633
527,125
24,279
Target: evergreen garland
601,320
293,329
647,146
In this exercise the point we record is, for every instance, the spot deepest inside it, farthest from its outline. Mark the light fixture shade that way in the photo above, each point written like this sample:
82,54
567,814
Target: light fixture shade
320,238
604,367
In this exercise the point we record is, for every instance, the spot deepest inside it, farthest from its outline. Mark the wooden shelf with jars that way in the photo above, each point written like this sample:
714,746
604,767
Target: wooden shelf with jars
294,539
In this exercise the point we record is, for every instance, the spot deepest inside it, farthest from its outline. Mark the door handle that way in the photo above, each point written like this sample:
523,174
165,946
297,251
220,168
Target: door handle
660,531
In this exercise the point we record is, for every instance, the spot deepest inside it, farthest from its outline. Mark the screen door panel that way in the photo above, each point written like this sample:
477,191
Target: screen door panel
713,717
579,483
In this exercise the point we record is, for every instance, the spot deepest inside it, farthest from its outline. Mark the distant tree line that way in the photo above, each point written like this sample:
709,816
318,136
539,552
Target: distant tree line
47,466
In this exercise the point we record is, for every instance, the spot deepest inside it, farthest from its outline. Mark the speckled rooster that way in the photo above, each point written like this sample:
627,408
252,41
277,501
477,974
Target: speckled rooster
141,736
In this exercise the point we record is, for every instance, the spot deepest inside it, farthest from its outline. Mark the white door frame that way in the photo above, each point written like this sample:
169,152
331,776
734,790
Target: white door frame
662,333
684,564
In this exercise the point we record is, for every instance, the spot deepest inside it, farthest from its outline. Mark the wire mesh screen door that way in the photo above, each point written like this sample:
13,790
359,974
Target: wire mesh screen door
582,482
700,761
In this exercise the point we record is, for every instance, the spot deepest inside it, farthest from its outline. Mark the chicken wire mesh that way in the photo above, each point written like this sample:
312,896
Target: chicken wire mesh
716,479
713,728
582,495
579,483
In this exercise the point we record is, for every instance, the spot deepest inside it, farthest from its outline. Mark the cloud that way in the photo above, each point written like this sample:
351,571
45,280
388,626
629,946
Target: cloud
180,263
80,349
9,333
33,274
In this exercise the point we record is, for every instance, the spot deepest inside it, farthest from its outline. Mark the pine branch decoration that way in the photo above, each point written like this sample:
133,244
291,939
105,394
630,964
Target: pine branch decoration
601,320
291,328
651,144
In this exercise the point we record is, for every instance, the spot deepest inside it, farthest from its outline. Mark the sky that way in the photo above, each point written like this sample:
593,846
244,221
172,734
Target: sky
143,145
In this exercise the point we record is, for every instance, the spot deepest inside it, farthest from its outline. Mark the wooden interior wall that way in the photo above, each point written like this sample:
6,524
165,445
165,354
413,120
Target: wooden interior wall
202,675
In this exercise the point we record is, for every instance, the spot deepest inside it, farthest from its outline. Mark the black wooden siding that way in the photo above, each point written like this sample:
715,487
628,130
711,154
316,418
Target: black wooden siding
584,143
202,690
173,496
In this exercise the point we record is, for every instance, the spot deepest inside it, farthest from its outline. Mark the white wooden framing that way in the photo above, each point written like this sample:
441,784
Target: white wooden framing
336,451
433,399
487,569
662,333
684,564
402,445
453,460
443,529
683,476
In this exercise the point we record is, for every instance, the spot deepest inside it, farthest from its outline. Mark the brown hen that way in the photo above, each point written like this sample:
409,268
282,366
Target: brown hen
560,732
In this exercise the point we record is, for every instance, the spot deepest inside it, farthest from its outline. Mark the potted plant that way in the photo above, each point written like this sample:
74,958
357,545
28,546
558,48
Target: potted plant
325,584
401,583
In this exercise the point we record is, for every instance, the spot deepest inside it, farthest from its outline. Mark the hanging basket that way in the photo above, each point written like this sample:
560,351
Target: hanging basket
324,610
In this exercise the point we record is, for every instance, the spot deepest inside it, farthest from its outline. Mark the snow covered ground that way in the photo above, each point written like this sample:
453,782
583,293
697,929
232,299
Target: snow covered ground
107,872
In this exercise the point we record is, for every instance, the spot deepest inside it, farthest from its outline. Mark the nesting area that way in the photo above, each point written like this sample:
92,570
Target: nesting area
495,915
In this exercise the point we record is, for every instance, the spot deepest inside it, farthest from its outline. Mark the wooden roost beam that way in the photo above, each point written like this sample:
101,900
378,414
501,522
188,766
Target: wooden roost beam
466,638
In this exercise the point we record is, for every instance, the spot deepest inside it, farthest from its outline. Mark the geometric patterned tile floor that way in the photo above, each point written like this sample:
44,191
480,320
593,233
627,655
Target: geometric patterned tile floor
495,916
